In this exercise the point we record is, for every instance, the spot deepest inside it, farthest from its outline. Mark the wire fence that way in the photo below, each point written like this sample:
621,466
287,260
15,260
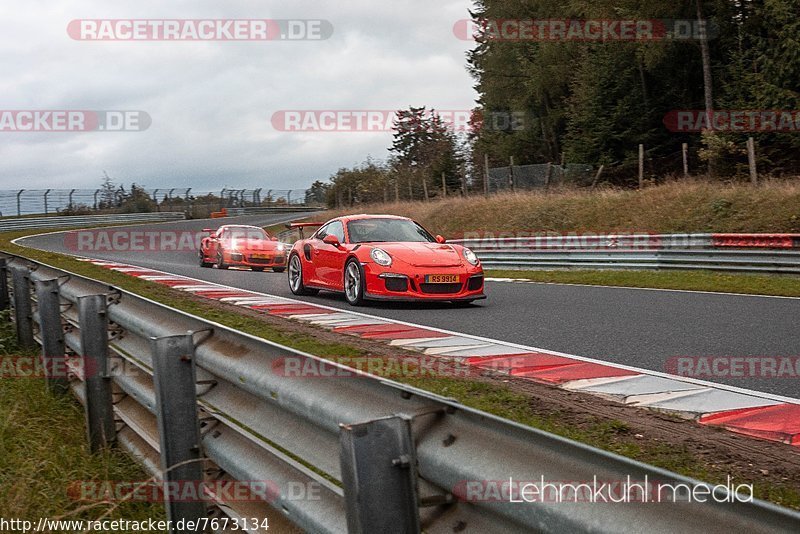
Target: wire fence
527,177
22,202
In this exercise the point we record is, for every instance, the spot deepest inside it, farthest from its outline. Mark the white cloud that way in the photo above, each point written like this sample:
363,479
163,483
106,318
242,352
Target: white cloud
211,102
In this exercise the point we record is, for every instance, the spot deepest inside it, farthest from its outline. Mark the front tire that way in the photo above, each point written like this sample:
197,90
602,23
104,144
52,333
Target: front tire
221,261
296,284
258,269
203,262
278,269
354,282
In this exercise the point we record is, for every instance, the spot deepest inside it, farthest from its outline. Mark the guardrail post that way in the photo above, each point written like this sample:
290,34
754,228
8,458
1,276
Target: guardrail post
4,302
23,316
100,426
52,332
178,428
379,474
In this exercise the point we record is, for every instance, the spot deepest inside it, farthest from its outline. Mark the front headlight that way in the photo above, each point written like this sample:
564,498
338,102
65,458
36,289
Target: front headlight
281,247
470,256
381,257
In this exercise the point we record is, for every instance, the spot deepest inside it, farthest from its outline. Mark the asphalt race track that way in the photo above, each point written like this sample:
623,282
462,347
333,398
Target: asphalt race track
641,328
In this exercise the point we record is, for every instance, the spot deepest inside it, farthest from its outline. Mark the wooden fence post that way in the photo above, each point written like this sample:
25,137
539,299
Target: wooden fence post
486,175
641,166
685,150
511,173
597,176
751,159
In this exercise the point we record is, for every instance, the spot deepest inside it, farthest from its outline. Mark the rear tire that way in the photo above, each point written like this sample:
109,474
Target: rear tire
203,262
296,284
354,282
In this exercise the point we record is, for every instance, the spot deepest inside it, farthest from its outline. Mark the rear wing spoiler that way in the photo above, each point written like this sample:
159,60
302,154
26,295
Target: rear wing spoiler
302,225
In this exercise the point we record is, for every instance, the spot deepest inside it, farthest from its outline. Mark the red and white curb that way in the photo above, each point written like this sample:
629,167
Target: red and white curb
753,413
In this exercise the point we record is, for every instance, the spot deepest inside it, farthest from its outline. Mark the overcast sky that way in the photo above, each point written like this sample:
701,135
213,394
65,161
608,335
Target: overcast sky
211,102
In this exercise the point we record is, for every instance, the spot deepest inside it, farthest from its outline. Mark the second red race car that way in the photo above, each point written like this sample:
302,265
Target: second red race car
242,246
383,257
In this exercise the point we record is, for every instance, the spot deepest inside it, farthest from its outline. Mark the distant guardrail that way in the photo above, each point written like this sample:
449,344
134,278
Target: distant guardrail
764,253
47,201
197,401
77,221
235,212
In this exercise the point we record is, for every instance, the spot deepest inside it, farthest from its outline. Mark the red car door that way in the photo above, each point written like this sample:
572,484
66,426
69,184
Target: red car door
311,270
329,259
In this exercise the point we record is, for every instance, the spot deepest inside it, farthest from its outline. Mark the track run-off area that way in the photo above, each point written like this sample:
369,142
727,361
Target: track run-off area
633,327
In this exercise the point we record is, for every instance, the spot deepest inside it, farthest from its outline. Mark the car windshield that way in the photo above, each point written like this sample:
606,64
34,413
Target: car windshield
387,230
247,233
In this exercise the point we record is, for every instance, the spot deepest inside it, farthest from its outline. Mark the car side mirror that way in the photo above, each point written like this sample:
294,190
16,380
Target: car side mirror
331,240
441,240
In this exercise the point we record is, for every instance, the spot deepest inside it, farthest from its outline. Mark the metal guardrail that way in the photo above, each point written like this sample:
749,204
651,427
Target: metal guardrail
172,388
76,221
716,252
235,212
45,201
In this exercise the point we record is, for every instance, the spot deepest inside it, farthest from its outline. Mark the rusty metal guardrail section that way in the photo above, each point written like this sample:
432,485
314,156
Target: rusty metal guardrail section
204,401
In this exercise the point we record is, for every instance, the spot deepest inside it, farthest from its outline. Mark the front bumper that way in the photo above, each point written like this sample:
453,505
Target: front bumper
246,260
426,298
388,284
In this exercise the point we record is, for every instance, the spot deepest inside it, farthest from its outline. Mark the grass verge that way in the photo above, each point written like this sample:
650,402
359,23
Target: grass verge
682,206
43,450
492,398
750,284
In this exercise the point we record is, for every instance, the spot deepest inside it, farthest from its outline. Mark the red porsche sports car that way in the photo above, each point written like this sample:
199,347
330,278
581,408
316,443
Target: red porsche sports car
383,257
242,246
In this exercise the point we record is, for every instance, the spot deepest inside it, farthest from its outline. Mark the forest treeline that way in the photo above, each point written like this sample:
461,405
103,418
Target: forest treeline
595,101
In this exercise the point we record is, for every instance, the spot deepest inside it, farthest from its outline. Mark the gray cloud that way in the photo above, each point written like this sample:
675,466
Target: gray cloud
211,102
